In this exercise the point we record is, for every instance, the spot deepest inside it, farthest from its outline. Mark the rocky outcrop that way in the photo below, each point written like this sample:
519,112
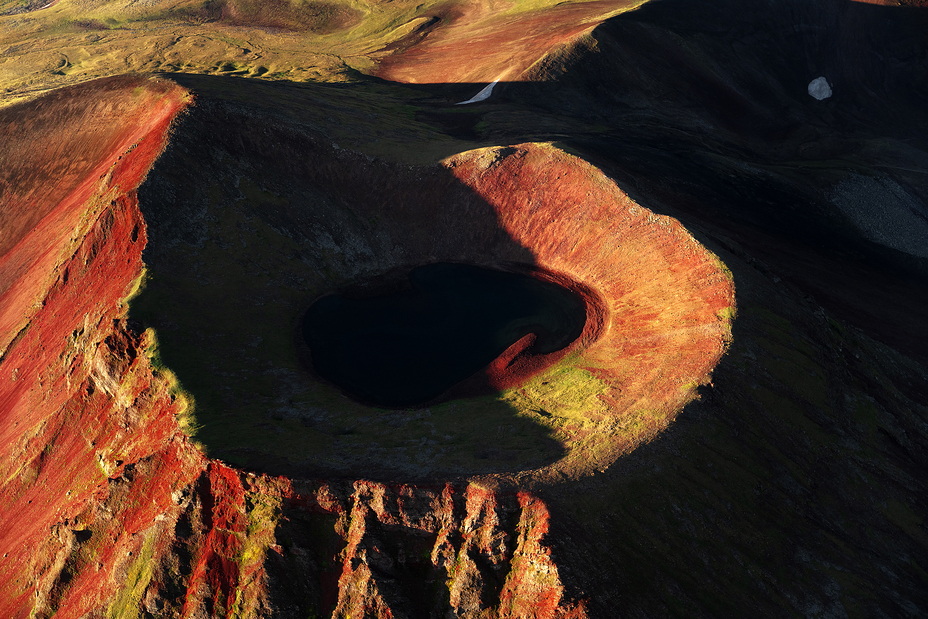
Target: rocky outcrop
406,551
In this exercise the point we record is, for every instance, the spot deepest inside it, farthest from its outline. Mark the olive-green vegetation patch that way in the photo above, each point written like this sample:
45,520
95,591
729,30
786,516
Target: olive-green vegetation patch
76,41
563,394
127,604
570,400
263,509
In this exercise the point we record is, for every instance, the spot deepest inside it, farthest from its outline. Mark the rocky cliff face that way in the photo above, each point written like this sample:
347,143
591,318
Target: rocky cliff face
417,551
94,447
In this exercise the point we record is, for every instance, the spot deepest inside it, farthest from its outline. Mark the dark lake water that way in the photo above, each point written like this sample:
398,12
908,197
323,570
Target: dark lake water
408,347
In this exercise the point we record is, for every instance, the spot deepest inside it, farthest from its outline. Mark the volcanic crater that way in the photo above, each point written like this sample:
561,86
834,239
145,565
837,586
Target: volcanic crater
271,218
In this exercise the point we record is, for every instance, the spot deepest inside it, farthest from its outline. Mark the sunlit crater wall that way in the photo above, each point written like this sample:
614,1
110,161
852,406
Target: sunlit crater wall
669,301
272,238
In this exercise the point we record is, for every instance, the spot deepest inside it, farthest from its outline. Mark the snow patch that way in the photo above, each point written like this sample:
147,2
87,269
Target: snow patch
483,95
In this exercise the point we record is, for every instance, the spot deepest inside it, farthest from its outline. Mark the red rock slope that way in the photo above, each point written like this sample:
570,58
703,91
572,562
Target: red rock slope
78,403
665,302
106,508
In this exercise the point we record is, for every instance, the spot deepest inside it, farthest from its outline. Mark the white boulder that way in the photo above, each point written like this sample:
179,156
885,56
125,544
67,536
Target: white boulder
819,88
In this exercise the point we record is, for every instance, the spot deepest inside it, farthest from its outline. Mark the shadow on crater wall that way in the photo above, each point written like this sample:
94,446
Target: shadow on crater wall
249,221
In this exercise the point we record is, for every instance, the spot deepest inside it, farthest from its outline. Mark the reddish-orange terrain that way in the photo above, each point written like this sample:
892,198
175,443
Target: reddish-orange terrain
80,405
475,42
659,304
107,508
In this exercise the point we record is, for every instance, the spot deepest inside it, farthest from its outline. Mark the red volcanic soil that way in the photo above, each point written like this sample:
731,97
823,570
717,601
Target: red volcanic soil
79,403
106,507
58,153
475,43
661,303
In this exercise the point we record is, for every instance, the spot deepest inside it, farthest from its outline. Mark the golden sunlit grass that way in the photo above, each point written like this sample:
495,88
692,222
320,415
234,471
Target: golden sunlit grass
526,6
73,41
76,41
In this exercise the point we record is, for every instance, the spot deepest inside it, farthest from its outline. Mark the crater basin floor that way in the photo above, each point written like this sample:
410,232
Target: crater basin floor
410,346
